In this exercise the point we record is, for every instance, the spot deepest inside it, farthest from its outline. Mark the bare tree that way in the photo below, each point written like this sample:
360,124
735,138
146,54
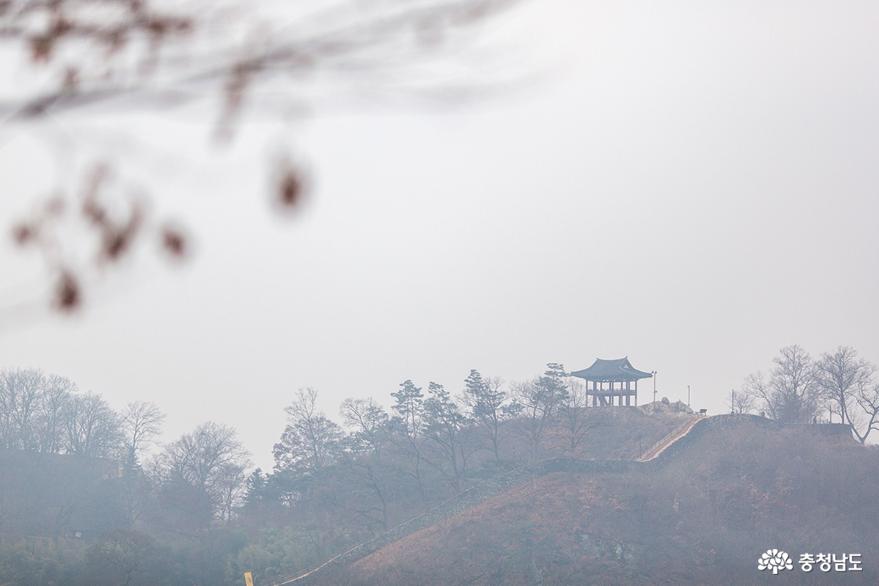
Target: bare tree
205,460
58,390
741,401
141,424
792,394
230,486
20,397
33,407
368,424
841,376
91,427
536,403
532,412
848,384
573,414
310,441
755,386
865,420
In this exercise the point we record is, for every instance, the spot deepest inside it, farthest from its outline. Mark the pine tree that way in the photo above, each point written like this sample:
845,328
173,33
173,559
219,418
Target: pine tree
487,406
444,423
409,422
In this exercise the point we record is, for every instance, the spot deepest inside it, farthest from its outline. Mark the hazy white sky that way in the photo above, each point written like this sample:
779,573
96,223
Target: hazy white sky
694,186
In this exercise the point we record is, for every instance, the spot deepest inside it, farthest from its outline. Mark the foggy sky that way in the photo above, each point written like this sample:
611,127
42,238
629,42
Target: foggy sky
693,185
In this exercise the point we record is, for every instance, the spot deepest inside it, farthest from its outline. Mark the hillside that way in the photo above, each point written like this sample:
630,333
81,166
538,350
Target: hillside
70,519
50,495
702,513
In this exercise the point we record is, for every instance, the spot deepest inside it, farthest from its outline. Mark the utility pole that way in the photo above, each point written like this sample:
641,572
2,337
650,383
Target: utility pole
688,395
654,386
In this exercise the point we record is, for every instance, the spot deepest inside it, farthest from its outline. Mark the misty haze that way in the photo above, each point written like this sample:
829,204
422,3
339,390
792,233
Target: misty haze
398,292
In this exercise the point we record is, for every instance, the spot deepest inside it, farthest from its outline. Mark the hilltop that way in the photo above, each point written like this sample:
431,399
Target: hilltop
701,513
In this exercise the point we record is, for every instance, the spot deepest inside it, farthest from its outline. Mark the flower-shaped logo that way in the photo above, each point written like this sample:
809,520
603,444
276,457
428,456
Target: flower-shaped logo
775,560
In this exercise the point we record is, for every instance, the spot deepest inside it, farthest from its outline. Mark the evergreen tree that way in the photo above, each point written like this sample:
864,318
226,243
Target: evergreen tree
444,424
408,422
409,409
487,406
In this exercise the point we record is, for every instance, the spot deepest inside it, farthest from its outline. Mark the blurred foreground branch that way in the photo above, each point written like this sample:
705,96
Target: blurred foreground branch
89,57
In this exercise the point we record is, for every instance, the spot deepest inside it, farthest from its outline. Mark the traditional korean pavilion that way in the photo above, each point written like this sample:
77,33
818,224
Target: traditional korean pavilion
607,379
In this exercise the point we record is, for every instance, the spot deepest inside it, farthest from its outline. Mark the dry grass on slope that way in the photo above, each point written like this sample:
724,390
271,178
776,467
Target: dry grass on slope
702,517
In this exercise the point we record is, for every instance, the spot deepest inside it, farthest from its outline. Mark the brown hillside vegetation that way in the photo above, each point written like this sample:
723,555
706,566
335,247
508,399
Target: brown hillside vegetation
702,514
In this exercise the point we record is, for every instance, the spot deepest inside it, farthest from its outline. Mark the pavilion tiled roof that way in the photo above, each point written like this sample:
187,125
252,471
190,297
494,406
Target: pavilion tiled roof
619,369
